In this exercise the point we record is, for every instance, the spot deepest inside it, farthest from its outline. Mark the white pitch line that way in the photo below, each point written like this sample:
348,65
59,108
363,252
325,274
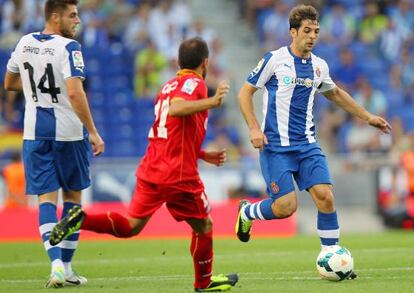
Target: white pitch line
171,258
243,276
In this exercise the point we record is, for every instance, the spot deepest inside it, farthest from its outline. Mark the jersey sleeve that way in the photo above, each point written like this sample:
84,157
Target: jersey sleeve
263,71
327,82
12,64
73,65
192,89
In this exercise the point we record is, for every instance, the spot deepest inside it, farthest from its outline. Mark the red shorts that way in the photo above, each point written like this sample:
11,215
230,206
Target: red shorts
184,200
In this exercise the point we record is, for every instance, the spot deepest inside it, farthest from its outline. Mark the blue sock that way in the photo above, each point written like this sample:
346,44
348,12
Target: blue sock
261,210
328,228
47,220
70,244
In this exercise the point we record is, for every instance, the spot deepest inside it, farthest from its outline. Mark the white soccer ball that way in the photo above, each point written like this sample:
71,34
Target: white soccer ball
334,263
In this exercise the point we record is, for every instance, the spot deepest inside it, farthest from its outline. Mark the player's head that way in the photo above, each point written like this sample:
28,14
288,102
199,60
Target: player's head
304,27
63,16
192,54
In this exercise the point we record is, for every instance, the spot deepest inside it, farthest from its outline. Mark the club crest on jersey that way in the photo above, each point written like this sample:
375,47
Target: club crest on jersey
189,86
274,187
78,60
257,68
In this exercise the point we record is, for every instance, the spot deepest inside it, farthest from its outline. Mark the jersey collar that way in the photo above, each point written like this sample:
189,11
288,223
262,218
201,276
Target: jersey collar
297,57
187,72
43,37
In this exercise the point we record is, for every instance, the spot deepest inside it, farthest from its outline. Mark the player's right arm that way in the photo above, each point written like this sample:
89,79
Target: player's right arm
181,107
77,98
257,138
13,82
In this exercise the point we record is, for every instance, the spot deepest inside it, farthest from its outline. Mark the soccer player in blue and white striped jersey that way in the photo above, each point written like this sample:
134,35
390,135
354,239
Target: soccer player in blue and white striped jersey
290,77
49,68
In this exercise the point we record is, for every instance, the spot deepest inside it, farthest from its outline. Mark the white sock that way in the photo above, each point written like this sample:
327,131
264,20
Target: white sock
57,264
68,268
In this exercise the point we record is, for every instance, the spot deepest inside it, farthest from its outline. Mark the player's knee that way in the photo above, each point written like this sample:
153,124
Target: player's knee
285,208
208,225
136,226
326,202
204,226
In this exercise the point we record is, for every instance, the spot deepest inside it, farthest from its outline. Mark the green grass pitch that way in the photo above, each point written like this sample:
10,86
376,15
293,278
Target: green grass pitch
384,263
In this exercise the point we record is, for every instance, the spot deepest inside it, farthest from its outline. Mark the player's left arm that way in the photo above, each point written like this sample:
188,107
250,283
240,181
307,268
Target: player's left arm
181,107
344,100
13,82
214,157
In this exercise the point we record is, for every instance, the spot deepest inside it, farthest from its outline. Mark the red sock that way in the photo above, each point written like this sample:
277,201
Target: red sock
110,223
202,252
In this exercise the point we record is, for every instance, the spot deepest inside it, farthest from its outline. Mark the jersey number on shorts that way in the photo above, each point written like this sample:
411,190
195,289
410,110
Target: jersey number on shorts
52,90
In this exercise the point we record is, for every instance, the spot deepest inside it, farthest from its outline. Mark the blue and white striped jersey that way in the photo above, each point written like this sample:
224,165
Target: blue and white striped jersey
44,62
289,83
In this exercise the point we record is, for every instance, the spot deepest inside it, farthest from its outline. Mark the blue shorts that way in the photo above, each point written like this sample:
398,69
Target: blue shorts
306,164
50,165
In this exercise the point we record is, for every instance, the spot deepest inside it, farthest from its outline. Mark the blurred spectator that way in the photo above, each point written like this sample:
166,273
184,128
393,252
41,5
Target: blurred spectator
180,16
218,69
159,23
253,8
347,71
149,64
396,199
276,27
396,97
402,15
371,99
118,16
14,179
222,141
372,24
338,25
362,138
391,42
407,71
332,119
11,15
199,29
137,29
94,32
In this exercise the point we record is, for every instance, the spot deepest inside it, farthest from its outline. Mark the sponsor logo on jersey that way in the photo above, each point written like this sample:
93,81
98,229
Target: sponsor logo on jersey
307,82
189,86
257,68
78,60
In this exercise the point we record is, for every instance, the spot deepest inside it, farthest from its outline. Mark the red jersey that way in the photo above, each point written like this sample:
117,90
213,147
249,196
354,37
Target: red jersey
175,142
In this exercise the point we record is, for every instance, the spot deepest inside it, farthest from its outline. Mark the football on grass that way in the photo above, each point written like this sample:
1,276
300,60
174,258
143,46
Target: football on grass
334,263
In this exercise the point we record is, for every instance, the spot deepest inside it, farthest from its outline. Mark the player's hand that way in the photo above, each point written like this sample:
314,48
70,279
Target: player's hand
98,145
380,123
215,157
221,92
257,138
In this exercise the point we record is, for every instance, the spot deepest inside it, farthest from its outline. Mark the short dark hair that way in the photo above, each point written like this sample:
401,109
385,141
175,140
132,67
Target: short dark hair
300,13
52,6
192,53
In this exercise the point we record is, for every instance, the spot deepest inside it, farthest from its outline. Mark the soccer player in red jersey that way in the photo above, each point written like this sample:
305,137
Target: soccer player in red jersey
168,172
